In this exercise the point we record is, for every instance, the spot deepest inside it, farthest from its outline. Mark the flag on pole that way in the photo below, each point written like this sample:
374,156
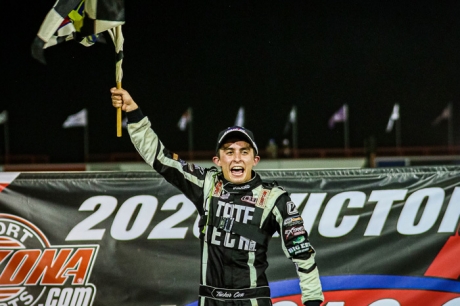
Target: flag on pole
3,117
341,115
446,114
83,21
239,121
76,120
79,20
185,119
393,117
292,118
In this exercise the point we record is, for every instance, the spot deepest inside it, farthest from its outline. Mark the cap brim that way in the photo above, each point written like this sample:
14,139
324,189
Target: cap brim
237,134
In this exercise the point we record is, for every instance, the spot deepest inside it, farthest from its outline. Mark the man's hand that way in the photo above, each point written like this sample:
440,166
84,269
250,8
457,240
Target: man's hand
121,98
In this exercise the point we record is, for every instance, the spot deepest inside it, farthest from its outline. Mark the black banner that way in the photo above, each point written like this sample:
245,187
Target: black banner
384,237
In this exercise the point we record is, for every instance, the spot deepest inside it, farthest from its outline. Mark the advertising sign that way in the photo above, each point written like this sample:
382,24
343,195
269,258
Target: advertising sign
383,237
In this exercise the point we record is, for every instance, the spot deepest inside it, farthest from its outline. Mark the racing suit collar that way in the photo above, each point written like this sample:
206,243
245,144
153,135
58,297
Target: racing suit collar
251,184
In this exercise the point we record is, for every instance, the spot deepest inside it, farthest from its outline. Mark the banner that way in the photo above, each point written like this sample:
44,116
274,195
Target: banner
383,237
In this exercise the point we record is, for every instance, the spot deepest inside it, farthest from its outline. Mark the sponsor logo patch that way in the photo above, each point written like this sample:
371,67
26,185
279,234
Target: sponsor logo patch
249,199
291,208
34,272
217,189
263,198
225,195
299,249
244,187
294,231
298,240
293,221
199,168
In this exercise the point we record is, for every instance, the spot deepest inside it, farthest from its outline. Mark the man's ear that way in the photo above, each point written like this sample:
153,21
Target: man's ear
256,159
216,160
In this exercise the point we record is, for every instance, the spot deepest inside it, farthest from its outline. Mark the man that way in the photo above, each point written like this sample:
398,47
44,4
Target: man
240,214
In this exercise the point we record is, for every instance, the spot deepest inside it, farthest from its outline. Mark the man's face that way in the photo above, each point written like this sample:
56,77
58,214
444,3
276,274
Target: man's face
236,158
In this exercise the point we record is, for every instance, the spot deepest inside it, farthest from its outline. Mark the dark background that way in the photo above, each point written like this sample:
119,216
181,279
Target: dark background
216,56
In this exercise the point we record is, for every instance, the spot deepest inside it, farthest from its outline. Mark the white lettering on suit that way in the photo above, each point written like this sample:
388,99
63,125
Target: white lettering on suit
239,213
215,233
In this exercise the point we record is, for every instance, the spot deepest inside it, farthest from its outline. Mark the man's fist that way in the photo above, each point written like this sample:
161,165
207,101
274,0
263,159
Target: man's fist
121,98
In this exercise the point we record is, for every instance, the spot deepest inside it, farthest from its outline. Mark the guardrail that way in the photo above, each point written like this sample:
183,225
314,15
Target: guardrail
207,155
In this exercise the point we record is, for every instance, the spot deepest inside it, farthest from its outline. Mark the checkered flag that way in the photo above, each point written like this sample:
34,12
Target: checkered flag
80,20
83,21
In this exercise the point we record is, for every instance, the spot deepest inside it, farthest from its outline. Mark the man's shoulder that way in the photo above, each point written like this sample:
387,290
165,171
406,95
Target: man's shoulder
272,185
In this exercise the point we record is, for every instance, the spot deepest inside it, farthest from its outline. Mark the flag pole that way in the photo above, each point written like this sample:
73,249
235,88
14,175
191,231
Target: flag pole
190,134
398,132
119,124
346,128
86,139
7,140
294,132
118,40
450,129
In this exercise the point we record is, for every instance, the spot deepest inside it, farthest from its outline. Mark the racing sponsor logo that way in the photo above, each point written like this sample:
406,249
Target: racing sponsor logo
299,248
294,231
217,189
291,208
199,168
233,213
6,178
262,199
33,272
298,240
225,194
293,221
241,213
244,187
192,167
249,199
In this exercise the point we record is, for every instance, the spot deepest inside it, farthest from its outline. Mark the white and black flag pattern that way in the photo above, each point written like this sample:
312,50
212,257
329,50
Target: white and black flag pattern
80,20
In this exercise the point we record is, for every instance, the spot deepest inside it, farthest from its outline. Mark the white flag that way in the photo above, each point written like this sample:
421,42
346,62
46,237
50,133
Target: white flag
3,117
446,114
394,116
239,121
76,120
185,119
341,115
292,118
293,115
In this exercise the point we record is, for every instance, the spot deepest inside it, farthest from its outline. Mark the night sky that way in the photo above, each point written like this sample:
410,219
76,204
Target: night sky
216,56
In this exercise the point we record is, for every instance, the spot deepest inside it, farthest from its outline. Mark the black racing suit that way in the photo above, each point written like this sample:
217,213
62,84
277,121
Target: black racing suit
236,225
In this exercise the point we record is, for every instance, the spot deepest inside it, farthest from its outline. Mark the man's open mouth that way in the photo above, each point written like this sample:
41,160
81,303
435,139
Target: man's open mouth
237,170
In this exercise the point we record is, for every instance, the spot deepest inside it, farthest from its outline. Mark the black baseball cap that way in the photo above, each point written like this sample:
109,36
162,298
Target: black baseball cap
239,132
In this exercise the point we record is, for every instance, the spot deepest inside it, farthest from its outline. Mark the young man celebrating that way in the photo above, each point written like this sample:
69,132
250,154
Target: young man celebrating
239,214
